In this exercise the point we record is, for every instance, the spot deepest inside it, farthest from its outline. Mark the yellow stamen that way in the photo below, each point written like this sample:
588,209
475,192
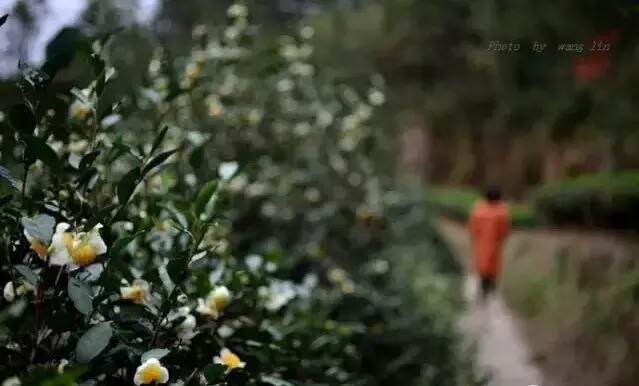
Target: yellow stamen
215,111
135,294
220,302
160,227
39,248
68,241
230,360
83,254
80,112
151,373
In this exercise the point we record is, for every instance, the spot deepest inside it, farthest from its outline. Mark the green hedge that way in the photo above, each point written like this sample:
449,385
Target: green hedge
457,203
601,200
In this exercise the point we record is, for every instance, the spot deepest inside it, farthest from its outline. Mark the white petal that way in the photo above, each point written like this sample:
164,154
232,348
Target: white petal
227,169
143,284
9,293
62,227
60,256
225,351
27,235
151,361
96,241
72,266
138,377
165,375
124,291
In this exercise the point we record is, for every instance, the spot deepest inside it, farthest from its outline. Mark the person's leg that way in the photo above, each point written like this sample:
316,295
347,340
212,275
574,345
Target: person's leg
487,286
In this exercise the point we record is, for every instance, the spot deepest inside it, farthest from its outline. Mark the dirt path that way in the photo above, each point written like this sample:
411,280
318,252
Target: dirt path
502,350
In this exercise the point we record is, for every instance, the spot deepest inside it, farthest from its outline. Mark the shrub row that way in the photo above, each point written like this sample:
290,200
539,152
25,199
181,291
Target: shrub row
596,200
457,203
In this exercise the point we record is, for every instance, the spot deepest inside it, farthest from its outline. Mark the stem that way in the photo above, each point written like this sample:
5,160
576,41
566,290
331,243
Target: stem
156,327
58,277
24,182
96,126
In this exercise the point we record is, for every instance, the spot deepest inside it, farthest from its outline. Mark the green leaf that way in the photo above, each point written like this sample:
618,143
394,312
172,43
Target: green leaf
93,342
3,19
99,84
87,159
39,227
102,214
157,160
22,119
157,353
120,244
37,148
6,174
196,158
176,268
275,381
28,274
205,195
127,185
81,295
159,139
49,376
214,372
87,177
98,70
6,199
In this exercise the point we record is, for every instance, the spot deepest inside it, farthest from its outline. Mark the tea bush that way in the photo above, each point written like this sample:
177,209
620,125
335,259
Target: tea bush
601,200
223,224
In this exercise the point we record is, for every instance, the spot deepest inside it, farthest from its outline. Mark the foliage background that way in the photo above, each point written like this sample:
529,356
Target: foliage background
235,162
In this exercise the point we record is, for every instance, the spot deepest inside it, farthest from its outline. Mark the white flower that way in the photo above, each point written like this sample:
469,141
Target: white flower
12,381
376,97
215,302
253,262
225,331
151,371
237,10
192,70
284,85
138,292
214,106
182,298
277,294
186,329
324,118
79,109
76,249
9,292
227,169
176,313
229,359
206,309
307,32
220,296
255,116
63,363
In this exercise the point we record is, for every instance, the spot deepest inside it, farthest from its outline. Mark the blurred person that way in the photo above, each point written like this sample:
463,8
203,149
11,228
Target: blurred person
489,224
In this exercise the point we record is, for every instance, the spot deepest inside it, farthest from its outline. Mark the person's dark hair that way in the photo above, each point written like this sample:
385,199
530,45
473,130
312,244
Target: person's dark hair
492,194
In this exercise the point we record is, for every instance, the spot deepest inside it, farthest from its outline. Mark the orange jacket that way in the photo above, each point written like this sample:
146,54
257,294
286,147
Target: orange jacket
489,224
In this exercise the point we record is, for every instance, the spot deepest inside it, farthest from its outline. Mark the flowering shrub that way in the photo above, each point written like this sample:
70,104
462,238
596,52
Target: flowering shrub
224,224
